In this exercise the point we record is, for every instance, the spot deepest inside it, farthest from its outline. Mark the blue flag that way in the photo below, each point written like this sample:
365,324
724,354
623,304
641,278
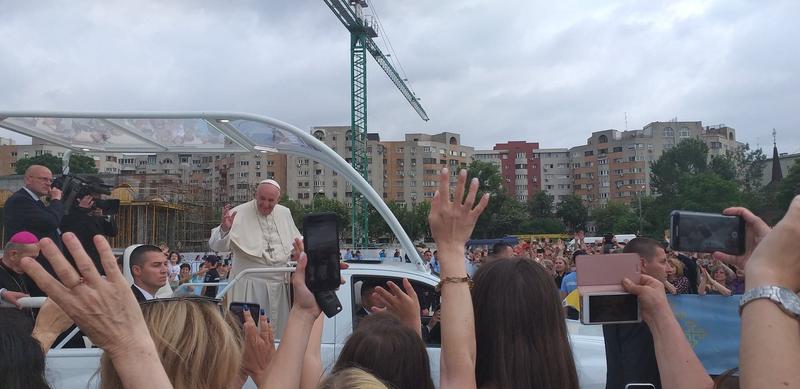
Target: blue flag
712,326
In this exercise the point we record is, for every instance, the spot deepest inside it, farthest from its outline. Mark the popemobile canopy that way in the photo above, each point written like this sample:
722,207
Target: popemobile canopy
192,132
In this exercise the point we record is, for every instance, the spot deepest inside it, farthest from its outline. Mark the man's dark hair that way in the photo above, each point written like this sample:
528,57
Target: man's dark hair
576,254
499,246
137,255
186,266
645,247
427,251
369,285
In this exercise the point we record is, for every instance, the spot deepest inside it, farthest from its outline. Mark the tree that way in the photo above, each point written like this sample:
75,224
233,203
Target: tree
572,211
544,225
789,188
541,205
78,164
297,209
48,160
687,157
616,218
325,204
723,166
504,215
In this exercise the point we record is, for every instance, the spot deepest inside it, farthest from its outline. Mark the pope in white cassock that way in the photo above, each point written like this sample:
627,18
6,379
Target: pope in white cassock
260,233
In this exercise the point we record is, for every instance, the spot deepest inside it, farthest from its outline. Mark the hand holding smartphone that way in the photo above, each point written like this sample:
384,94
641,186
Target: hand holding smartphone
323,276
707,232
238,309
603,299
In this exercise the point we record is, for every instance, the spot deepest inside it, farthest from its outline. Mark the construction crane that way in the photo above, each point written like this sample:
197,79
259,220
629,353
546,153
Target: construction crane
350,13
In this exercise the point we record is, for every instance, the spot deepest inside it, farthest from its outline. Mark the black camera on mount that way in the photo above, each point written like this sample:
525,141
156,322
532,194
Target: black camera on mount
74,188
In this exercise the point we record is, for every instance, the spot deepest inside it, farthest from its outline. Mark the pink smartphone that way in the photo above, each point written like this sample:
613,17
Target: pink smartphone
603,299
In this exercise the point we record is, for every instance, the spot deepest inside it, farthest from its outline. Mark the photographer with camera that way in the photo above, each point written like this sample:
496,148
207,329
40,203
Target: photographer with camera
86,215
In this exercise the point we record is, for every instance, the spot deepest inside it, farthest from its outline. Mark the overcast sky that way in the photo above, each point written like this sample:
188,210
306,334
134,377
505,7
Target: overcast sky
546,71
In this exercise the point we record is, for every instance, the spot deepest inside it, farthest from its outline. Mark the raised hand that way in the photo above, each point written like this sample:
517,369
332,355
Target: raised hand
227,218
259,346
304,300
103,307
452,222
755,231
776,260
404,305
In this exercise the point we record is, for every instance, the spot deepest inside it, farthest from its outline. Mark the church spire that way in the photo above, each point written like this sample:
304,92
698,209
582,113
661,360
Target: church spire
777,174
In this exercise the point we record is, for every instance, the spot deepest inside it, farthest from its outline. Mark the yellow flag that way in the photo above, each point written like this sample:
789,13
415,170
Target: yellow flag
573,300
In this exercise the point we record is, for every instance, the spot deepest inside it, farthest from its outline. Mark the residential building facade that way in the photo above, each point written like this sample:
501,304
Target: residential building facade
520,169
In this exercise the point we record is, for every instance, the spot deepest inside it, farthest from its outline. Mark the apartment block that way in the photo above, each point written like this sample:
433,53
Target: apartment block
615,165
520,168
306,178
555,172
412,165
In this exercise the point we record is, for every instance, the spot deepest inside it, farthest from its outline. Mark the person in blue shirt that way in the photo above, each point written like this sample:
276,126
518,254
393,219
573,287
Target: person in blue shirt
382,254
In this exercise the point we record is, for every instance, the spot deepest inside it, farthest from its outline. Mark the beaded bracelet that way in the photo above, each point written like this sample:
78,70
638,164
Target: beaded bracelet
454,280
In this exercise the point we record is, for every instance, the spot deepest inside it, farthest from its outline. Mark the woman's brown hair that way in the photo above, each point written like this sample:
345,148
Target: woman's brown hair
520,329
198,347
392,352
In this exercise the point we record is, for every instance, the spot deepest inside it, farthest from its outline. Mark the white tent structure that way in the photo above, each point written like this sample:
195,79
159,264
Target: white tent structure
192,132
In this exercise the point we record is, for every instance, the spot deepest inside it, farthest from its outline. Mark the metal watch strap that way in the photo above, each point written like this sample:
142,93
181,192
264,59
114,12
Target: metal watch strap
786,299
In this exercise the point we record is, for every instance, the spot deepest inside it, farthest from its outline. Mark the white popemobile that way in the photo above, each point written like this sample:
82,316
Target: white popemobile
222,132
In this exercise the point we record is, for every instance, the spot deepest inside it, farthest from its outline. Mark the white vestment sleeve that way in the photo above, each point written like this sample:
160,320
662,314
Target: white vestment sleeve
219,241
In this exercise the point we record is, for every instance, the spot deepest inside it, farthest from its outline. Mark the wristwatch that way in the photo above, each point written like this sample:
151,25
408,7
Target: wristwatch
786,299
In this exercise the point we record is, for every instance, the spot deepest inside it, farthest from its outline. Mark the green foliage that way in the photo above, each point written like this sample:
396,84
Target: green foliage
572,211
541,205
723,166
489,177
788,189
544,225
297,209
325,204
616,218
78,164
687,157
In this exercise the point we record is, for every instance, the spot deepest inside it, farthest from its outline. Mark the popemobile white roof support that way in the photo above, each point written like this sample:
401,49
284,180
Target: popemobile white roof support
192,132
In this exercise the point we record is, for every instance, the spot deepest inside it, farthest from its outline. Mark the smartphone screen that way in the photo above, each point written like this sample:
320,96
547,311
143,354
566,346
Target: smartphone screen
707,232
613,308
321,240
237,309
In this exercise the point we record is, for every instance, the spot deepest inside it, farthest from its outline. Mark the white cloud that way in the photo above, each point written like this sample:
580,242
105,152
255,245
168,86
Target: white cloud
541,71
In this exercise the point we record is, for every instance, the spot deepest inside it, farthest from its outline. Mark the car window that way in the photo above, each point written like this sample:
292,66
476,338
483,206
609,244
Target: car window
429,303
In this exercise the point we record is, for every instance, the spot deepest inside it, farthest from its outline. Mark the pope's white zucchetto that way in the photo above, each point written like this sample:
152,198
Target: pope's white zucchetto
271,182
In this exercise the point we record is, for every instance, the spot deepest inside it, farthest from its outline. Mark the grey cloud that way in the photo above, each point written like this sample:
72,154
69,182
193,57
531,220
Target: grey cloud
541,71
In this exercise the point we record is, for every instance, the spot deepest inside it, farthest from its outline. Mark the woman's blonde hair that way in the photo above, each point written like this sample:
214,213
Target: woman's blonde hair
678,265
197,346
352,377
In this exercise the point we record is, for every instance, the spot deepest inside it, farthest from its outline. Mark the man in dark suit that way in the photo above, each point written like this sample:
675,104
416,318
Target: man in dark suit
85,220
25,211
149,269
367,301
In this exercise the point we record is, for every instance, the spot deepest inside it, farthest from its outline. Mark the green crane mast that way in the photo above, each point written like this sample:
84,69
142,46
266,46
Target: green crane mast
350,13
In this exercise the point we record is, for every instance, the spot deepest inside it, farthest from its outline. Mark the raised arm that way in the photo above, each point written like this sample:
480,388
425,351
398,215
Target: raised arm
103,307
451,224
770,344
678,365
283,370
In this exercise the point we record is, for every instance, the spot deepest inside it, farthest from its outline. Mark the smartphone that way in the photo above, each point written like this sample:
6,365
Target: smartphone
610,308
603,300
321,241
640,386
707,232
237,309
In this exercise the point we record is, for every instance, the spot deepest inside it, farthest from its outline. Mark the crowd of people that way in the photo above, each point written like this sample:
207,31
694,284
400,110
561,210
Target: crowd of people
501,319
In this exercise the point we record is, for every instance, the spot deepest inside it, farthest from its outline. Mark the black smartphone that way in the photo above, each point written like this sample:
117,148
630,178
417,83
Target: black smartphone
707,232
321,241
610,308
237,309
